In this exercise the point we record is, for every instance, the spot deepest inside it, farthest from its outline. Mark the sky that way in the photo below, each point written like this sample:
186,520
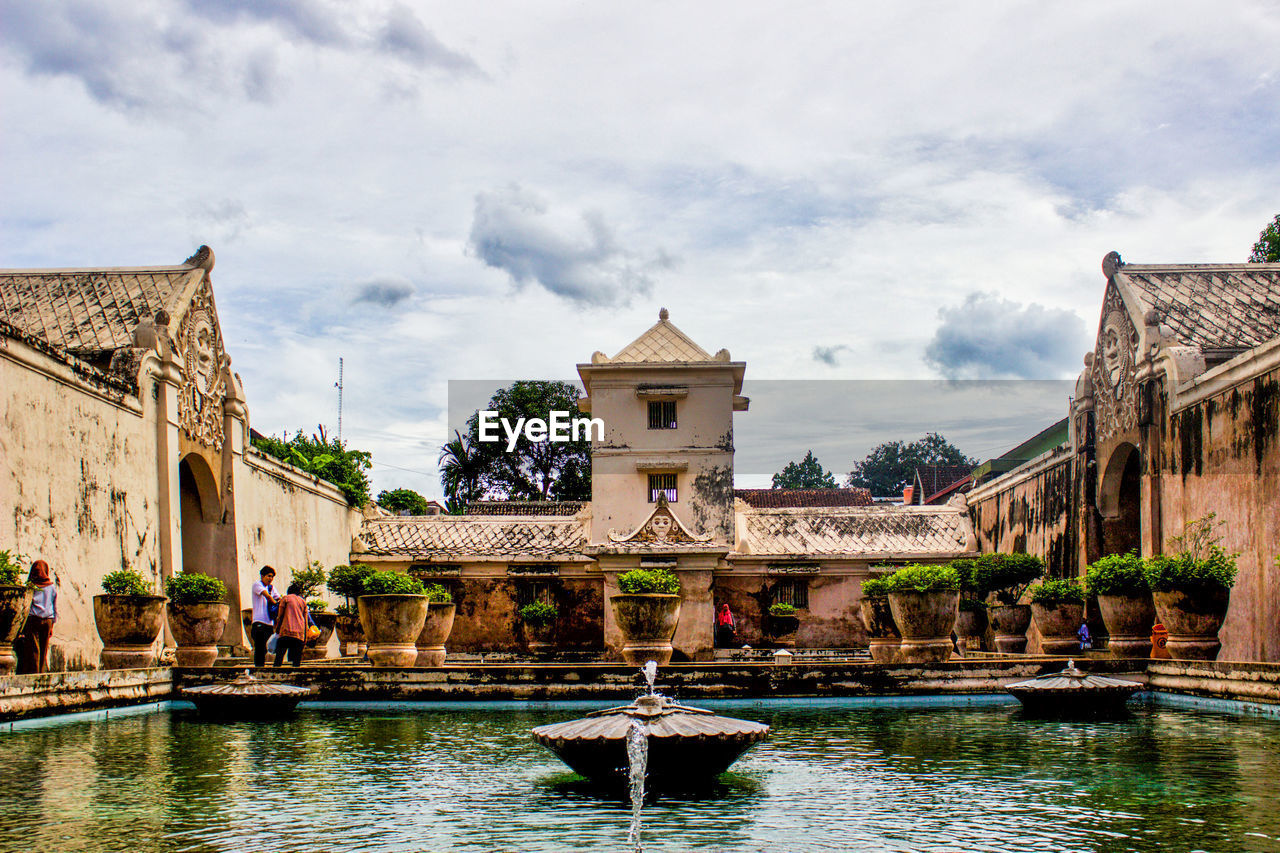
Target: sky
493,191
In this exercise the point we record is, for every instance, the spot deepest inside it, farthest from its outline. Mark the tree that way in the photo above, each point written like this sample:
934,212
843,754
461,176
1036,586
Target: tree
892,465
461,468
403,500
328,459
806,474
1267,249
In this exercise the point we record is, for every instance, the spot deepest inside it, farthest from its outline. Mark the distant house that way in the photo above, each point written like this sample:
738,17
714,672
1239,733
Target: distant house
935,484
1047,439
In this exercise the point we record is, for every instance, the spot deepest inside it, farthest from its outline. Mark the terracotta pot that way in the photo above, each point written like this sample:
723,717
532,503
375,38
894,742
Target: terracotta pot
391,625
540,639
1193,619
318,649
647,622
1057,624
350,633
15,604
883,640
782,630
971,627
1011,622
128,626
197,628
925,620
1129,619
435,631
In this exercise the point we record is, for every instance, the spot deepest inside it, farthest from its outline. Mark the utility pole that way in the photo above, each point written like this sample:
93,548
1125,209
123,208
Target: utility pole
338,385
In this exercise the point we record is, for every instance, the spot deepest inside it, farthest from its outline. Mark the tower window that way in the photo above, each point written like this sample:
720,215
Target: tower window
793,592
662,484
662,414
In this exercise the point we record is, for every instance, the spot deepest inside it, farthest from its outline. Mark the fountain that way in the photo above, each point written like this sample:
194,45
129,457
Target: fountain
1073,693
246,697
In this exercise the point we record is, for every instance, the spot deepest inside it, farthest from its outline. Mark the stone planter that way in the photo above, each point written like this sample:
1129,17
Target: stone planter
318,649
350,633
647,622
971,626
197,628
1010,622
1128,619
540,640
925,620
883,640
391,625
246,619
128,626
1193,620
782,630
435,631
15,604
1057,624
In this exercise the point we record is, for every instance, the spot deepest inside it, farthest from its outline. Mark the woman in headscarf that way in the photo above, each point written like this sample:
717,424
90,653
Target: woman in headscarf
725,627
39,627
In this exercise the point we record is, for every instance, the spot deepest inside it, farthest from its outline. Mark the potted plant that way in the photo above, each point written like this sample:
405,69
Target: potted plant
436,627
348,582
883,639
15,604
129,616
1191,589
647,610
782,625
923,600
393,610
1007,577
539,620
198,612
1124,599
1057,606
311,582
971,620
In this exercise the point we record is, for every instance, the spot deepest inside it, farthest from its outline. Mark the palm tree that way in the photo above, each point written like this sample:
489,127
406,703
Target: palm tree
461,466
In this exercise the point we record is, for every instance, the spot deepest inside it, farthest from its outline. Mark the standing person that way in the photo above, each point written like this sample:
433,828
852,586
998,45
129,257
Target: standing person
291,625
725,627
39,627
1086,642
265,602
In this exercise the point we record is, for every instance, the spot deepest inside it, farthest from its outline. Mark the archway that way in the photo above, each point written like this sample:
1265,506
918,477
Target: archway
1119,501
200,514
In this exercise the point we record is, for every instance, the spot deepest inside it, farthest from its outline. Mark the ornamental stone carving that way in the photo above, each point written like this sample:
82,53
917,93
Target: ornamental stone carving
204,379
661,528
1115,393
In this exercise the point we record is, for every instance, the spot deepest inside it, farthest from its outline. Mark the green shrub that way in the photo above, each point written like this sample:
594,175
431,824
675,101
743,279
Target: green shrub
11,571
643,581
126,582
348,581
437,593
194,588
975,605
350,611
781,609
317,605
392,583
917,578
1007,575
971,577
1058,591
1117,574
1198,562
310,580
872,587
539,613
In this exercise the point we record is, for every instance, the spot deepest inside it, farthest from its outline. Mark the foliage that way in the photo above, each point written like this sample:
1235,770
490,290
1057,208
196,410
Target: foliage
194,588
808,473
1117,574
539,613
971,578
1007,575
349,611
317,605
1058,591
461,466
11,571
874,587
126,582
392,583
1267,249
781,609
1198,561
437,593
328,459
892,465
348,581
643,581
403,500
918,578
975,605
310,580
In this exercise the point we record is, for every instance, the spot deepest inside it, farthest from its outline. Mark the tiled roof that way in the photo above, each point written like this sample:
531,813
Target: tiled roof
452,537
523,508
782,498
935,478
663,342
880,531
1210,305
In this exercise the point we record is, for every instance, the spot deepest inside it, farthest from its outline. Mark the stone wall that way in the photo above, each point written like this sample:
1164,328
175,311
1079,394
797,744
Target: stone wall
1030,509
832,619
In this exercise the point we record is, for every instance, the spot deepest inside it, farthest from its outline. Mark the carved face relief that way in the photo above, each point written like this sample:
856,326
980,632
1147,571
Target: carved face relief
204,353
200,401
660,527
1115,348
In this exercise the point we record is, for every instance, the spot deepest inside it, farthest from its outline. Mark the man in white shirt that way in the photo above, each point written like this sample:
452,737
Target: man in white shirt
265,601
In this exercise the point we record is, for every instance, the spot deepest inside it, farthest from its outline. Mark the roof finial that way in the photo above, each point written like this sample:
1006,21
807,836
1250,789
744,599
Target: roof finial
1111,264
663,313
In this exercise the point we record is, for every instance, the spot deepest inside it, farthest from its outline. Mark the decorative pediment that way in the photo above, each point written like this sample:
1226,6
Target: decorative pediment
204,380
660,528
1113,372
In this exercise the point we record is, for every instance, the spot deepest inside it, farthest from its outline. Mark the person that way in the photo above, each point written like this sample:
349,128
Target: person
265,602
40,619
725,628
1086,642
291,625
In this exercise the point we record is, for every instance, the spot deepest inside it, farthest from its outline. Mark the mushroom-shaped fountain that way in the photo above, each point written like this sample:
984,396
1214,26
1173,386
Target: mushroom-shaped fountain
1073,693
246,698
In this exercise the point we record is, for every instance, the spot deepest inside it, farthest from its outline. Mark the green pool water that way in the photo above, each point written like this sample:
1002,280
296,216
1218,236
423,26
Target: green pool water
831,777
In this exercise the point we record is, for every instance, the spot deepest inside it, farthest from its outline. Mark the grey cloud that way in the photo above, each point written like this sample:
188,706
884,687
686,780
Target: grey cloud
407,37
577,258
386,293
313,22
829,356
989,337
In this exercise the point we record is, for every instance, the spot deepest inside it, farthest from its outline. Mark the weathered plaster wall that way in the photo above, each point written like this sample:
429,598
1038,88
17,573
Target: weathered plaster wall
1030,509
831,620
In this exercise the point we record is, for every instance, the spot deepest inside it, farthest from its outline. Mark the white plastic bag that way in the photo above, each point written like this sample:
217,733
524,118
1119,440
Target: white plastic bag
271,643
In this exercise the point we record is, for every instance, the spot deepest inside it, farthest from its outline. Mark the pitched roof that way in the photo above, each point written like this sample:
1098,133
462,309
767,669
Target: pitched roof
458,538
523,508
1229,306
877,531
781,498
936,478
663,342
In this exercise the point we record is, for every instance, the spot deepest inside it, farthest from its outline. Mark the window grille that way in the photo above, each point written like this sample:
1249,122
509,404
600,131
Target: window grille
527,592
662,484
662,414
795,593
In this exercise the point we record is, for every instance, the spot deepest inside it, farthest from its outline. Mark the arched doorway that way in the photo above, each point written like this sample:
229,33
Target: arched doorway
1119,501
200,514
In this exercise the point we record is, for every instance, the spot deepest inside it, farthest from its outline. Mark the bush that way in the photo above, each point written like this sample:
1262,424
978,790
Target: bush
348,581
1058,591
126,582
971,577
781,609
974,605
317,605
873,587
194,588
1007,575
326,458
392,583
645,581
918,578
11,571
437,594
539,613
349,611
1117,574
1198,562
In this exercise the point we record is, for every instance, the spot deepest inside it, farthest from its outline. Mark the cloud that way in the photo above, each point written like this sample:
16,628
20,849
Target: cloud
829,356
989,337
575,257
386,293
406,36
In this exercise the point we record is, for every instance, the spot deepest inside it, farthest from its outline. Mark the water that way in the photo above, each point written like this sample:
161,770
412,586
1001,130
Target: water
637,759
831,777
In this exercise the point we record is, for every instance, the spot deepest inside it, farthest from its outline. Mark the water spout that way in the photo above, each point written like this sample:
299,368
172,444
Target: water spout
650,671
637,760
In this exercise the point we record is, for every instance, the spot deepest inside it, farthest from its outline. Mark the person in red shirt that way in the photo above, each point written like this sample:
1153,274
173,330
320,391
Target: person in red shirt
291,625
725,628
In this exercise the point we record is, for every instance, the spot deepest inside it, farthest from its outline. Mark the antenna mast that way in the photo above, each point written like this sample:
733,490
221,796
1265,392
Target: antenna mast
338,385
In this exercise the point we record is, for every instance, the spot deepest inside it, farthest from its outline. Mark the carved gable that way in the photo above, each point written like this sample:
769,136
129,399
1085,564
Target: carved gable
199,341
660,528
1115,390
